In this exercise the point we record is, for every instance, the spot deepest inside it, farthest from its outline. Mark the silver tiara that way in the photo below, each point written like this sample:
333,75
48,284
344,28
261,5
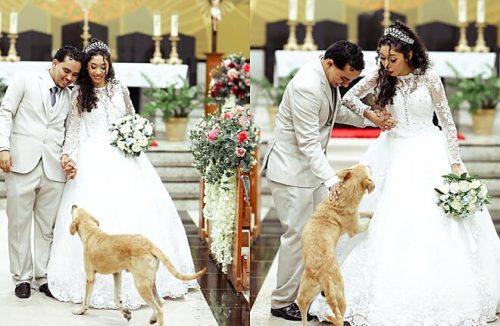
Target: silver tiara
399,34
97,46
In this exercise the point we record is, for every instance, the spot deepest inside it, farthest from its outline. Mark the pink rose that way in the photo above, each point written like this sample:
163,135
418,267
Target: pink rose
246,67
240,151
247,82
243,121
232,74
238,109
213,134
203,124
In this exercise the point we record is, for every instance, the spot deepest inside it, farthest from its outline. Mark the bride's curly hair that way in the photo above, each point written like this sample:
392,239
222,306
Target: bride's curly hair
87,97
419,62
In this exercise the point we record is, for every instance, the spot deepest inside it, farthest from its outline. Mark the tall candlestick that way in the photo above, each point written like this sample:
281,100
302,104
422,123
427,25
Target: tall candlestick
462,11
174,25
13,22
156,25
292,10
0,21
480,11
310,10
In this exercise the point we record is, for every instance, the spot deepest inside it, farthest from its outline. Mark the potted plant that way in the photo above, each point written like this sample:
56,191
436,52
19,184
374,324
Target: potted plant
482,94
274,94
175,103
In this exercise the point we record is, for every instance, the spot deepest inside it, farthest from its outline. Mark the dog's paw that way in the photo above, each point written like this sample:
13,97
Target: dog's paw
127,314
79,310
152,320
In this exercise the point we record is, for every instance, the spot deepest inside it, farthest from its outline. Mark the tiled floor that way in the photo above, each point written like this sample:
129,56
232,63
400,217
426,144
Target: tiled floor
228,307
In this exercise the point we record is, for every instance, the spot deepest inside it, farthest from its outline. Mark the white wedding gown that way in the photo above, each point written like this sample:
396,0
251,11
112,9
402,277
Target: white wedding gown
126,195
415,265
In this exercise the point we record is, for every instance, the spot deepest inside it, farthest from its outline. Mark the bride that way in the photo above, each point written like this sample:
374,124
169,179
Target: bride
414,265
124,193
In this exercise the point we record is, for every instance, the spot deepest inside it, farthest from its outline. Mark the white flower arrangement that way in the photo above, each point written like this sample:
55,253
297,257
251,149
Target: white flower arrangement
462,196
220,209
132,134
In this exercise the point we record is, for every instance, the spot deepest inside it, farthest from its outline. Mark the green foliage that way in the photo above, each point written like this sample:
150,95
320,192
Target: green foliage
478,91
275,94
171,101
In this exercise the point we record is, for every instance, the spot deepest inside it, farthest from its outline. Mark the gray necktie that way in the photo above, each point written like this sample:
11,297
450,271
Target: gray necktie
53,92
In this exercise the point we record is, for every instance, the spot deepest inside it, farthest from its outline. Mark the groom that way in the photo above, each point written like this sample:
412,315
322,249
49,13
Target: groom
298,171
32,119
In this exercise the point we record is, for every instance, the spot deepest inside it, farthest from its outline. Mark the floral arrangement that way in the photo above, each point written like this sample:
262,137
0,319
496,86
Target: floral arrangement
220,145
462,196
231,78
132,134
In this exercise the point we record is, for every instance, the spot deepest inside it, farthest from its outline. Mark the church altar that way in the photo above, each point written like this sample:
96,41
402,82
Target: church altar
128,73
469,64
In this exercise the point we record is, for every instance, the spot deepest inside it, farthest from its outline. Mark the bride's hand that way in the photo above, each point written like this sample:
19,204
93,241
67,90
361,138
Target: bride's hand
456,169
375,118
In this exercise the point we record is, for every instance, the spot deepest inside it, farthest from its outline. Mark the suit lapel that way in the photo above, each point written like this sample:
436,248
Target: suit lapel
43,93
327,89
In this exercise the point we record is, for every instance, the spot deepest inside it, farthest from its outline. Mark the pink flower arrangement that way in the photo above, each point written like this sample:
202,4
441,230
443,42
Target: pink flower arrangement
231,78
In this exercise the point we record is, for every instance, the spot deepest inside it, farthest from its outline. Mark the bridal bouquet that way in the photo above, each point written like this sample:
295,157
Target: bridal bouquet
132,134
231,78
462,196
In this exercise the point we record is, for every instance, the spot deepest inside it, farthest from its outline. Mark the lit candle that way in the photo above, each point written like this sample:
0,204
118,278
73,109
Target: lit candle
13,22
292,10
174,25
156,25
310,10
480,11
462,11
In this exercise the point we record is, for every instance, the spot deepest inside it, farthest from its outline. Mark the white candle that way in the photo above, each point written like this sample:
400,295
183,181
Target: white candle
292,10
480,11
174,25
156,25
310,10
13,22
0,22
462,11
386,5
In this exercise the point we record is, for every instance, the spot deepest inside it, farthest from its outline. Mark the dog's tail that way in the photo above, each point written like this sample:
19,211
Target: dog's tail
168,264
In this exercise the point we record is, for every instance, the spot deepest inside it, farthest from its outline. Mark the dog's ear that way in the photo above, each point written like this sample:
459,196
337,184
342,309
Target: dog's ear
73,227
368,185
344,174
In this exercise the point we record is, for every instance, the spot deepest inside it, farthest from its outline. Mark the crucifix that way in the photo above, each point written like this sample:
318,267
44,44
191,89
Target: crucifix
216,15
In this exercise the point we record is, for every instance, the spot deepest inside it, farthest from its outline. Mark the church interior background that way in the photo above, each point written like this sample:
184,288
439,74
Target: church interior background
259,30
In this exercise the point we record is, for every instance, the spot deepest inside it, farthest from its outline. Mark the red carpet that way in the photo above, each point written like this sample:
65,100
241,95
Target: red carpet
363,133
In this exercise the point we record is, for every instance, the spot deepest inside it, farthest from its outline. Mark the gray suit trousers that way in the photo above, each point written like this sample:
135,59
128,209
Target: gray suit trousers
295,207
31,197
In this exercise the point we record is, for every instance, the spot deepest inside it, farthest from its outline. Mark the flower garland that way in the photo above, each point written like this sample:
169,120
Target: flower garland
221,144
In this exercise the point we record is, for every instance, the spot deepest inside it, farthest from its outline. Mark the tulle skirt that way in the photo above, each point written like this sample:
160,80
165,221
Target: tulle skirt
415,265
126,195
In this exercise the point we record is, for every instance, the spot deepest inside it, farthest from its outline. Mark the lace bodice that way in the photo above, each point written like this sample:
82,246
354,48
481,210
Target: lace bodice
113,103
417,98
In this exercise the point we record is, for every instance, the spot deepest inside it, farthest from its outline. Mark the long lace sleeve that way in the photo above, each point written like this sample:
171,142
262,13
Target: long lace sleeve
352,99
129,107
444,115
72,126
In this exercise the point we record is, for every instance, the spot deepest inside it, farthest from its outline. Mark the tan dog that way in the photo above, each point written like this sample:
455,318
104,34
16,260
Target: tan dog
111,254
330,220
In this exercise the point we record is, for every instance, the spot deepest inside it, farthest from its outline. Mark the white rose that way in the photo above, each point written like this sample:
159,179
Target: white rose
114,135
148,129
143,141
445,188
125,129
121,144
464,186
456,205
137,134
483,192
136,148
444,197
476,184
128,117
454,187
472,207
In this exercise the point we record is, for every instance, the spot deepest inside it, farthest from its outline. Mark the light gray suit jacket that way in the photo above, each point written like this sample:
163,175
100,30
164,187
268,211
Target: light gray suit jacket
30,128
297,152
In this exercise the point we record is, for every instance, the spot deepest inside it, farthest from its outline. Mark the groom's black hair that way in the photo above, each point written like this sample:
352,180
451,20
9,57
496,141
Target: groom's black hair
345,52
68,51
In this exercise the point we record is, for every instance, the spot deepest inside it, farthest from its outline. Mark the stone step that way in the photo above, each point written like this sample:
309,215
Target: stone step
180,157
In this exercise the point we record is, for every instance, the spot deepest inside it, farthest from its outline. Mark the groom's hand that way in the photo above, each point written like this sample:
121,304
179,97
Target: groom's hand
387,122
334,191
5,161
